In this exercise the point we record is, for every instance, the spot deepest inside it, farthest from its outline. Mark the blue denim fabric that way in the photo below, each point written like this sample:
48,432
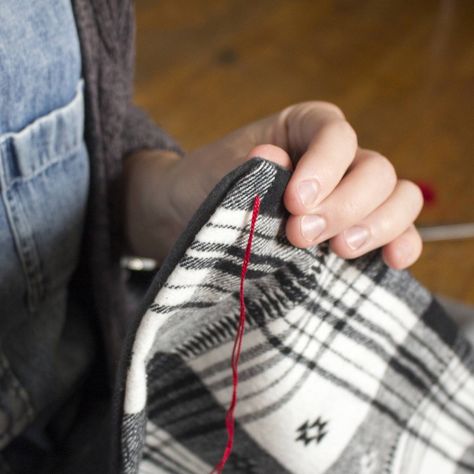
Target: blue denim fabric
44,178
40,61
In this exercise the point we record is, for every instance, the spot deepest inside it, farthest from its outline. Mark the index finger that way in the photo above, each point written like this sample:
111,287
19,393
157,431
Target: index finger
330,148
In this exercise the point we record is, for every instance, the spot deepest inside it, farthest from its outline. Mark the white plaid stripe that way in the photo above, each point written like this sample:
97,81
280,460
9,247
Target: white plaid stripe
338,344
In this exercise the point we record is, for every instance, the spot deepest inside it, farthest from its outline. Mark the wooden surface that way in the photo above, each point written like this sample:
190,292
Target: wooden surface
403,72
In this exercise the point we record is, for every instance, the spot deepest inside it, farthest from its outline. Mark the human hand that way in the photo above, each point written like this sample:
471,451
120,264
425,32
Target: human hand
337,192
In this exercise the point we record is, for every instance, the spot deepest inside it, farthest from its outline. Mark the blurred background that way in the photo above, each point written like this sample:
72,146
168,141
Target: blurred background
403,73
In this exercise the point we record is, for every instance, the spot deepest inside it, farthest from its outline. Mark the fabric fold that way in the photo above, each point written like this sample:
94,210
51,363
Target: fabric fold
346,366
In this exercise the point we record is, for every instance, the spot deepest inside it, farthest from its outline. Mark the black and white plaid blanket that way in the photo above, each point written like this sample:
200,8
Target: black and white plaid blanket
346,367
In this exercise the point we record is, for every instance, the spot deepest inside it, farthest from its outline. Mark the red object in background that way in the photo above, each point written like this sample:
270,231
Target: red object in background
428,191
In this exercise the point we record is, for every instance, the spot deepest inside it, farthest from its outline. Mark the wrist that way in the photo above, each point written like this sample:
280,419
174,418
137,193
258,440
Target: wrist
145,201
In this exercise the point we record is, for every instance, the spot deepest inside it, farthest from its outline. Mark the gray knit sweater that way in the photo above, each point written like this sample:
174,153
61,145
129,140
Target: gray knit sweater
114,128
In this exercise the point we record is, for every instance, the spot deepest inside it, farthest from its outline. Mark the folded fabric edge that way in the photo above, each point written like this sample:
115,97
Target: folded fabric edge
198,220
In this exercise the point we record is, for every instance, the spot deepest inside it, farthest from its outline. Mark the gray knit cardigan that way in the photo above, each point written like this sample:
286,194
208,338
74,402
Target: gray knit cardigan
114,128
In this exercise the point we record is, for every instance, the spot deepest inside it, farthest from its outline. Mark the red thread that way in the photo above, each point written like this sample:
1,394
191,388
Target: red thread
230,417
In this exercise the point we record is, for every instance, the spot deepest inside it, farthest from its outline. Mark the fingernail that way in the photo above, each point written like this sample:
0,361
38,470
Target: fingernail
308,191
356,236
312,227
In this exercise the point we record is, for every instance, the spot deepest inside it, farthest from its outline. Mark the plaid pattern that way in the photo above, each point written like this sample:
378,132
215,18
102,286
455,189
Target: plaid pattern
347,366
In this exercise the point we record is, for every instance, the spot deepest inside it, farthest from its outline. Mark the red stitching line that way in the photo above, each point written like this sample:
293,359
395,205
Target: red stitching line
230,417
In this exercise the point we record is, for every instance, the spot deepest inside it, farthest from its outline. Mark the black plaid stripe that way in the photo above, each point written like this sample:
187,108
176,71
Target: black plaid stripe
303,306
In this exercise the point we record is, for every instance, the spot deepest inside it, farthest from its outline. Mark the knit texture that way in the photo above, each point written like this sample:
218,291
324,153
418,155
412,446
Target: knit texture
114,128
346,366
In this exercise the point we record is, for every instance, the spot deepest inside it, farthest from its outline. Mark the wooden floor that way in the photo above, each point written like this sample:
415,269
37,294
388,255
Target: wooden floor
403,72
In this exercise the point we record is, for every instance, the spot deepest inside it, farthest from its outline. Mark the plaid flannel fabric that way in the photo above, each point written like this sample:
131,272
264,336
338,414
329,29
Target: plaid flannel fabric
346,367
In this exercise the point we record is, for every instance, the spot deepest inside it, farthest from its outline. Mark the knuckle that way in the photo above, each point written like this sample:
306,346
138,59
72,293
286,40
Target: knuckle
413,191
330,107
318,106
341,129
348,210
384,226
385,170
410,247
284,113
417,241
